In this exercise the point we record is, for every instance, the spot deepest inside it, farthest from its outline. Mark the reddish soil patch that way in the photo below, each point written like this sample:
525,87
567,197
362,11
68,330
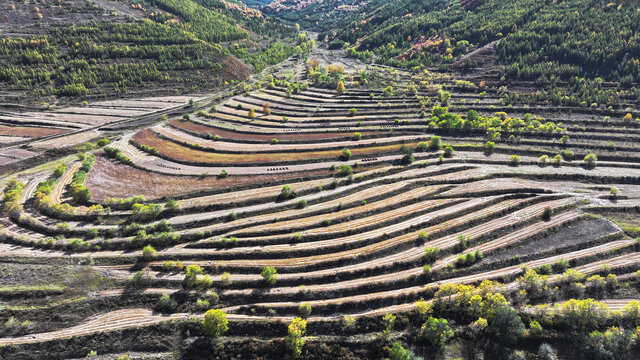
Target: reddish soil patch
232,68
28,131
182,153
232,135
110,179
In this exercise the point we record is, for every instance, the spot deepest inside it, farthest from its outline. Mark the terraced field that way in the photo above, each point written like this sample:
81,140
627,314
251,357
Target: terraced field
341,203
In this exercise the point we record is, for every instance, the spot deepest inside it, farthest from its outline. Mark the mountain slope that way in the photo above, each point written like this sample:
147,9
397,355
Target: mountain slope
103,48
536,39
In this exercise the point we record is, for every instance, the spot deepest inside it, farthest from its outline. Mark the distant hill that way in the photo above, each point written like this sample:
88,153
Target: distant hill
77,48
256,3
319,15
536,40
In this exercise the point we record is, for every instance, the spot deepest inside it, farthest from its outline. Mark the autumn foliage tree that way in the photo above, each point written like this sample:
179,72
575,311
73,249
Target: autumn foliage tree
294,340
215,323
266,108
340,88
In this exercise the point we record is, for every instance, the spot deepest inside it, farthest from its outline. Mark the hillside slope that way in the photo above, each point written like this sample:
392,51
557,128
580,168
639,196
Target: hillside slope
103,48
589,48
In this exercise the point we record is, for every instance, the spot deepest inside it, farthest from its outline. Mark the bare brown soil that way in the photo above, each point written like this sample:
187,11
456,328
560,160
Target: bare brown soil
110,179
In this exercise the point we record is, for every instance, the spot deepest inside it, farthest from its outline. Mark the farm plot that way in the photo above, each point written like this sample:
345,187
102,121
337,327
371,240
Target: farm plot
358,213
30,132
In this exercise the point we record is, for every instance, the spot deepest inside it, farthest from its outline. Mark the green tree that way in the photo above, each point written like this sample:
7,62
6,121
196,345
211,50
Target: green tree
346,154
215,323
397,352
269,275
345,170
191,277
506,326
435,143
436,332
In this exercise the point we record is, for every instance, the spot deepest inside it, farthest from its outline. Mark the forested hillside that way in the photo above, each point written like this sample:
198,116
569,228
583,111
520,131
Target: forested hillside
565,38
80,48
588,45
319,15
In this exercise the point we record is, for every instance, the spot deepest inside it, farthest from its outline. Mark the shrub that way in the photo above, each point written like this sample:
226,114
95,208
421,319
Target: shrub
137,279
348,323
489,147
274,141
302,203
557,160
297,237
627,118
287,193
515,160
269,275
166,303
463,242
202,304
430,254
543,160
141,212
59,170
304,309
191,277
223,174
448,151
345,170
215,323
148,252
590,160
357,136
614,192
426,269
547,213
544,269
397,352
435,143
172,206
388,91
103,142
346,154
225,279
567,154
560,265
185,117
353,112
408,155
